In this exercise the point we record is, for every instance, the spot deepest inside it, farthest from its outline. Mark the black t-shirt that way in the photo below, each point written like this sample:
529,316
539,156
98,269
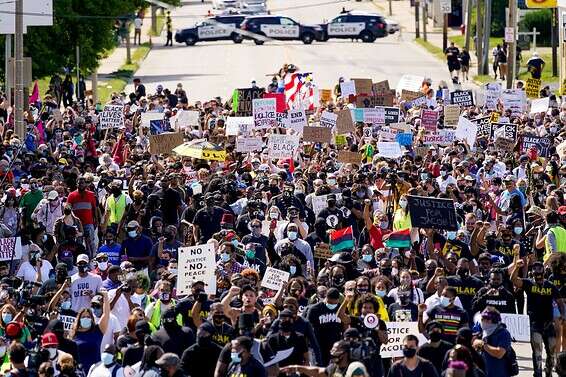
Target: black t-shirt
170,202
185,307
208,222
200,360
504,301
452,319
251,368
358,323
176,340
327,327
539,300
399,313
466,289
435,354
278,342
452,54
559,281
424,369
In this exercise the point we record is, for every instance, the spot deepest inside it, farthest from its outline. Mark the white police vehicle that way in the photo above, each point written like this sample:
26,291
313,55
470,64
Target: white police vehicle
218,28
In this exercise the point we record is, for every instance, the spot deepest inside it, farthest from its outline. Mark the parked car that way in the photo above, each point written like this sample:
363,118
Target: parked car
280,28
216,28
391,26
252,6
224,4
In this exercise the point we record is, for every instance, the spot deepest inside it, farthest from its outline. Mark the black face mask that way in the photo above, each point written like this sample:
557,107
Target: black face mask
494,285
338,281
218,319
409,352
286,326
386,271
462,272
204,340
331,203
67,211
82,268
435,336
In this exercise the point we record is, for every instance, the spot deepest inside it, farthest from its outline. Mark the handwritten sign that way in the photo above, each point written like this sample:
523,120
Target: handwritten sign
349,157
196,263
187,118
239,125
492,91
441,137
165,142
317,134
10,247
328,119
296,120
540,105
518,326
389,149
532,87
282,146
451,115
248,144
429,119
274,278
264,113
344,122
434,213
112,117
374,115
466,130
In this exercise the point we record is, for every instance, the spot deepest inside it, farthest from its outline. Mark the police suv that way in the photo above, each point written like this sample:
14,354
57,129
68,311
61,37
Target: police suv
280,28
357,25
218,28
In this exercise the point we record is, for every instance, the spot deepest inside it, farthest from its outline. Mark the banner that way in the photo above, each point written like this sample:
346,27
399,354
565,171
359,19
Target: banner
165,142
317,134
328,119
112,117
532,87
432,213
463,98
374,115
396,332
429,119
239,125
248,144
196,263
282,146
296,120
274,278
264,113
242,100
344,122
451,115
541,144
10,247
389,149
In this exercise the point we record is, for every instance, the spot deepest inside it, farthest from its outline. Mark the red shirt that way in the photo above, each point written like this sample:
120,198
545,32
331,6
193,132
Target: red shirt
375,237
84,205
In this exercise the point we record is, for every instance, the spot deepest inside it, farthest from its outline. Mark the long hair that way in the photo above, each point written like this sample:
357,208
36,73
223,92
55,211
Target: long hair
149,357
12,310
77,323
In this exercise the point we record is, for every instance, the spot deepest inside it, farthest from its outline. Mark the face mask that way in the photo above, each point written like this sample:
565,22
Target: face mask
107,358
518,230
52,352
451,235
235,243
331,182
462,272
488,328
97,312
367,258
424,176
44,238
274,215
204,340
250,254
132,233
409,352
292,270
82,268
173,271
164,296
6,317
224,257
2,351
66,305
384,225
292,235
403,204
435,337
331,306
443,173
85,322
380,293
235,356
444,301
102,266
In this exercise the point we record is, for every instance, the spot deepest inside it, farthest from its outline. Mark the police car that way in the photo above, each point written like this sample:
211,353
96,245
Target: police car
280,28
216,28
358,25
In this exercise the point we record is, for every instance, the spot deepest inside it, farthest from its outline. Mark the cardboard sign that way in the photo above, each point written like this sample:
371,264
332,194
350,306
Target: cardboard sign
248,144
363,86
370,100
492,91
401,127
466,130
344,122
532,87
408,95
328,119
410,82
429,119
504,144
374,115
238,125
514,100
322,251
540,105
317,134
541,144
112,117
274,278
296,120
242,100
441,137
381,87
282,146
187,118
427,212
165,142
462,98
483,127
349,157
451,115
196,263
264,113
325,95
421,151
384,99
10,247
396,332
518,326
347,88
389,149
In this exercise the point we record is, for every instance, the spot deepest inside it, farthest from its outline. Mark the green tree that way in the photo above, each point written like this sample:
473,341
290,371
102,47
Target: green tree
542,20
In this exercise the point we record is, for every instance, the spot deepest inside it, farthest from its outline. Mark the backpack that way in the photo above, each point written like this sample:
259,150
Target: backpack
511,362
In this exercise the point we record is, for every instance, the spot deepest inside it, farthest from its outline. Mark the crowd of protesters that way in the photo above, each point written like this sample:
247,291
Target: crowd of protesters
92,289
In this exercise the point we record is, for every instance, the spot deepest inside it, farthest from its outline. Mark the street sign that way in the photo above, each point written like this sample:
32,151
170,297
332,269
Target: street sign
541,3
36,13
446,6
509,35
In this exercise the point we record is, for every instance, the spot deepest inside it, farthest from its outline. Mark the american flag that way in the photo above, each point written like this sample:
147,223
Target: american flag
300,91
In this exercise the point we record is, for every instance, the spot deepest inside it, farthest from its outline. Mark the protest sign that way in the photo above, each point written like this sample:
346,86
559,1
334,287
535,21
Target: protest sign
239,125
296,120
344,122
400,127
187,118
319,202
196,263
505,130
532,87
518,326
280,104
434,213
483,127
10,248
112,117
387,135
540,105
325,95
561,149
148,117
248,144
466,130
451,115
463,98
396,332
281,119
392,114
421,151
328,119
492,91
165,142
367,132
322,251
404,139
389,149
347,88
383,99
504,144
282,146
349,157
242,100
340,140
429,119
68,321
441,137
264,113
494,117
363,86
370,100
541,144
374,115
381,87
408,95
514,100
317,134
410,82
274,278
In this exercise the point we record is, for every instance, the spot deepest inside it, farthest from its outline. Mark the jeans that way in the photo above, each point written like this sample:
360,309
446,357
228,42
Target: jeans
543,334
89,240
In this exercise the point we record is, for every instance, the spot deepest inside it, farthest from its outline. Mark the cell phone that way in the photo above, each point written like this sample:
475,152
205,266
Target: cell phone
68,279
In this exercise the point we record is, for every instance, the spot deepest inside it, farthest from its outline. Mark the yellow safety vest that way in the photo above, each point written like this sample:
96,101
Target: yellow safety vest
155,319
560,237
116,209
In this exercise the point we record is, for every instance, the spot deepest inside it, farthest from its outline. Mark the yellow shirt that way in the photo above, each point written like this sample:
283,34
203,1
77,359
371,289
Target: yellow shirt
401,221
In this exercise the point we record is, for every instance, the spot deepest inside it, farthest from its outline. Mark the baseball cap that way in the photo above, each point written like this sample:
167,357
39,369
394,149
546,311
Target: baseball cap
83,258
168,359
49,339
133,224
52,195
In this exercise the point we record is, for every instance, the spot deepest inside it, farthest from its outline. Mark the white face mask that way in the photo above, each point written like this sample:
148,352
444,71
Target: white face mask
292,235
52,352
403,204
133,233
274,215
2,351
102,266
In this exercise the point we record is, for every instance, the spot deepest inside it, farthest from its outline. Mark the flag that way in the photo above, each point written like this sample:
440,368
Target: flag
299,89
280,106
341,239
400,238
34,94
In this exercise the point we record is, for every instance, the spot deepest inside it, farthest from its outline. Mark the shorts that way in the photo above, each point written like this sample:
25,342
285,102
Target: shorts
453,66
465,68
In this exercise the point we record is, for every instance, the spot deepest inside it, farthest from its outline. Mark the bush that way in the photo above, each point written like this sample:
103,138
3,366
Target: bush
542,20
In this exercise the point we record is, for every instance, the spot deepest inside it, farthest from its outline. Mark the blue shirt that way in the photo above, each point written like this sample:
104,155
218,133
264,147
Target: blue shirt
138,247
495,367
112,251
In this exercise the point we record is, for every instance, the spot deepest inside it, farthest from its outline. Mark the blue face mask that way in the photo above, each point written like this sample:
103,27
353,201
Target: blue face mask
235,243
380,293
292,235
444,301
292,270
107,358
367,258
6,317
85,322
66,305
451,235
224,257
331,306
235,356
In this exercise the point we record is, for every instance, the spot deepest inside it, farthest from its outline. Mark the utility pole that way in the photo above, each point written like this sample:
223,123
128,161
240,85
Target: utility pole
479,37
7,68
554,41
154,19
468,24
445,32
425,19
417,31
511,47
19,123
94,83
78,57
390,8
486,34
128,47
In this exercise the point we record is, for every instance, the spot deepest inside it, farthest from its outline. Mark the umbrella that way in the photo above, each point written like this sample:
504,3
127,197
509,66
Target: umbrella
201,149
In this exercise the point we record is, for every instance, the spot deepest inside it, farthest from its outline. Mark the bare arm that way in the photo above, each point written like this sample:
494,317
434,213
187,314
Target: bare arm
103,324
195,314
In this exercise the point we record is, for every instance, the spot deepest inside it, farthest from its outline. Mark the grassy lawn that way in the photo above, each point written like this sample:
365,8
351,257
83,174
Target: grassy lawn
435,50
546,77
460,41
160,24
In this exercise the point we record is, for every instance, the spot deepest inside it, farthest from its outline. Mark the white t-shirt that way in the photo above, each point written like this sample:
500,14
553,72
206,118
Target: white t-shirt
27,272
443,183
82,290
138,23
418,296
434,300
100,370
121,308
112,329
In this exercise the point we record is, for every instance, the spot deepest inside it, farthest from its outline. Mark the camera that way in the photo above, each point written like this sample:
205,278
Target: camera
364,349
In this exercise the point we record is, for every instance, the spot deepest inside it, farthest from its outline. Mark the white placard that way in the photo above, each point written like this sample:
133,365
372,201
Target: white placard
514,100
10,247
248,144
112,117
440,137
518,326
509,35
445,6
389,149
263,110
347,88
319,202
410,82
187,118
374,115
540,105
296,120
282,146
196,263
274,278
492,91
466,130
147,117
396,332
239,125
328,119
